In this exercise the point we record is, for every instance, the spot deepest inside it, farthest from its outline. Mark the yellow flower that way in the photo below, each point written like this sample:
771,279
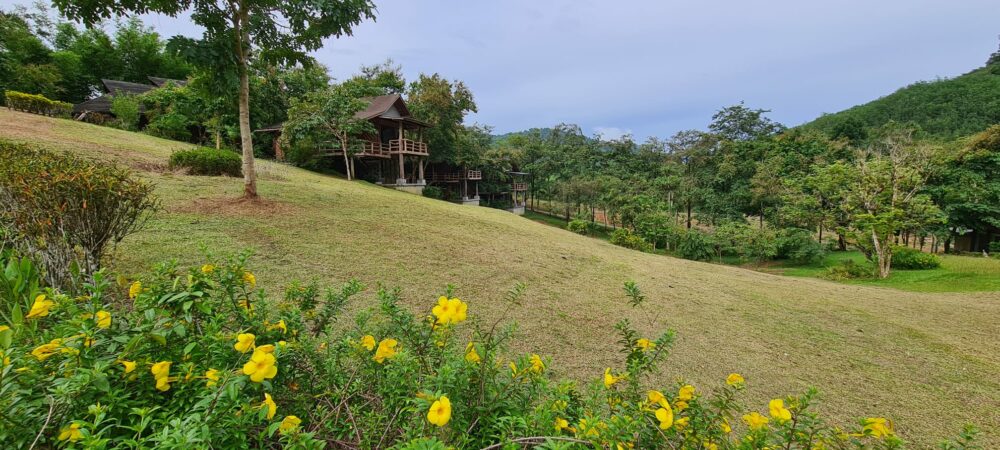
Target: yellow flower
289,424
40,308
70,433
878,427
4,328
129,365
609,379
161,369
755,420
709,445
537,365
244,342
5,359
685,393
207,269
682,422
665,416
135,289
561,424
44,351
734,379
163,384
471,355
250,279
386,350
645,344
724,425
260,367
269,348
440,412
450,311
271,406
368,342
281,326
657,398
513,369
103,319
778,411
212,376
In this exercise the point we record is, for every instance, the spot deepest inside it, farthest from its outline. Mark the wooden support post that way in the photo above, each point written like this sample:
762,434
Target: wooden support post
420,167
402,167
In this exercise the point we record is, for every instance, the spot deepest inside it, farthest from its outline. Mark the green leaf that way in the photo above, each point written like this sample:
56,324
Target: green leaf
189,347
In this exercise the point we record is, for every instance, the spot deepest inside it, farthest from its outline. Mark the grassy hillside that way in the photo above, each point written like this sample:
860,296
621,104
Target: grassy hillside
945,108
929,361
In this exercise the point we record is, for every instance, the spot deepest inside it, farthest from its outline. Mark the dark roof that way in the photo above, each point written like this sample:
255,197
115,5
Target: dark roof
271,127
377,107
115,87
160,82
100,104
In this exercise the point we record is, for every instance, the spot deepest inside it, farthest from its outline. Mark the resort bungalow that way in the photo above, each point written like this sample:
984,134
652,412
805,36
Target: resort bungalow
99,109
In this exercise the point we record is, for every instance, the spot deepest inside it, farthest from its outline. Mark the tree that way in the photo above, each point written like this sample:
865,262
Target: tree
443,104
329,116
886,193
245,30
968,188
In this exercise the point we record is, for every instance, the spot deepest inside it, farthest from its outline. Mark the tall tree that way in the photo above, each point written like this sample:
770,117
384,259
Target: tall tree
268,30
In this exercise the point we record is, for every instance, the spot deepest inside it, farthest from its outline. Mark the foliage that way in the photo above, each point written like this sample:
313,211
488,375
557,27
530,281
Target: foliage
580,226
207,161
913,259
695,245
966,187
36,104
202,357
850,270
628,239
173,112
798,246
433,192
65,211
756,244
127,111
995,249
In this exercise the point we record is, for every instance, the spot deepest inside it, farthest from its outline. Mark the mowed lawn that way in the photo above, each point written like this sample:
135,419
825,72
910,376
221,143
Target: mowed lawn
929,361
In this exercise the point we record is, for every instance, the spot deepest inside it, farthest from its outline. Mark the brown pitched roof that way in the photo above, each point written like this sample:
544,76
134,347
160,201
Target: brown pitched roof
115,87
381,104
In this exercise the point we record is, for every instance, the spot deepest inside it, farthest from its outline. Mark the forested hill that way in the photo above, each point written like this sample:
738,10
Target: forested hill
945,108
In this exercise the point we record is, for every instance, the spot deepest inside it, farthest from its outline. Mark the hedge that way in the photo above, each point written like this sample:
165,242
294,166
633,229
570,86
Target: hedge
37,104
208,161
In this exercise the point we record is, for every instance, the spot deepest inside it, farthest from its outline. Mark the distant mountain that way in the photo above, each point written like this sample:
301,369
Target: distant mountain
945,108
544,132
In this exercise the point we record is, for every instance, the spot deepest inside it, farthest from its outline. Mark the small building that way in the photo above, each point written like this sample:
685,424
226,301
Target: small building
98,109
460,185
394,156
518,192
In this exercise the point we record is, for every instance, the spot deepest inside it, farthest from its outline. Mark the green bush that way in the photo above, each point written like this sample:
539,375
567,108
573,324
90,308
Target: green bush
579,226
850,270
200,357
170,126
797,245
695,245
626,238
65,210
37,104
994,249
127,111
208,161
913,259
433,192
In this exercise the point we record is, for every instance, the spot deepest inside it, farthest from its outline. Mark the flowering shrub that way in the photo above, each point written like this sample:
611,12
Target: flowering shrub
200,357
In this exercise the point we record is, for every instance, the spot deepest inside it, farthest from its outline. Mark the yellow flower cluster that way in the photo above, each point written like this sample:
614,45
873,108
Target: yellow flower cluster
161,372
386,350
289,424
645,344
778,411
244,342
134,290
878,427
71,433
250,279
450,311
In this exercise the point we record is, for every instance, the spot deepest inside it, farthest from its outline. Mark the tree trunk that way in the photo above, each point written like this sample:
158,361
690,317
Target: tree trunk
841,242
347,160
883,253
688,214
246,134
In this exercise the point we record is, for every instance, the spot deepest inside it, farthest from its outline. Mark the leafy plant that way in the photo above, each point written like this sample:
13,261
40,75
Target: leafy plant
207,161
626,238
127,111
37,104
797,245
913,259
850,270
695,245
579,226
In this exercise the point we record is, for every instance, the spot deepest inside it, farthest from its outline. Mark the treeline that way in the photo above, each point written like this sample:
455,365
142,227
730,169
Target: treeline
894,185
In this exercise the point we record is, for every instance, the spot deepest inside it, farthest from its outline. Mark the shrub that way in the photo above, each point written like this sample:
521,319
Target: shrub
850,270
65,210
37,104
797,245
913,259
994,249
170,126
126,109
579,226
695,245
202,358
208,161
433,192
626,238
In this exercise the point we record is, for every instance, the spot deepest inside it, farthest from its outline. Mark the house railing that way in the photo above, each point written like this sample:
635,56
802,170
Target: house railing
474,174
520,186
457,176
367,148
407,146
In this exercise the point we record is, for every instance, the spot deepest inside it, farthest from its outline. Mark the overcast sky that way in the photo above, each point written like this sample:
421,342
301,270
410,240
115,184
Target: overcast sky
655,67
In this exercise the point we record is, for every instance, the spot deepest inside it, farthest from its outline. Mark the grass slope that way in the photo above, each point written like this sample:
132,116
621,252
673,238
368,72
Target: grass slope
945,108
928,361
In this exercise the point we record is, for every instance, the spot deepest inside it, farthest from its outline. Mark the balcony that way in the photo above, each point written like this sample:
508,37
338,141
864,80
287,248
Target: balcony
368,148
407,147
474,174
520,186
457,176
